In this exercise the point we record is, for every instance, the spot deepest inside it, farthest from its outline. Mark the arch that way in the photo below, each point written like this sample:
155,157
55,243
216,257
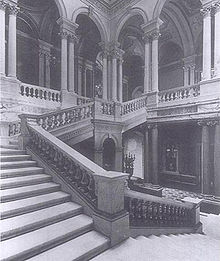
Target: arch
30,22
138,90
124,18
95,18
183,28
109,154
106,136
61,7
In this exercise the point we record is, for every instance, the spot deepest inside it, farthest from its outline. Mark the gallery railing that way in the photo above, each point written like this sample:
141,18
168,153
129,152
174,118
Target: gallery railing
180,93
33,91
151,211
56,119
83,100
133,105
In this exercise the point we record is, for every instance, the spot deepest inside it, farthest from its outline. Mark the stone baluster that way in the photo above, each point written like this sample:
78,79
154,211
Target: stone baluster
217,39
206,75
12,56
2,37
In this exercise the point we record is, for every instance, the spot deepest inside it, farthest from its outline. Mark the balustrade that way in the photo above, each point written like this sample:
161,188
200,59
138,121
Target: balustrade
134,105
179,93
37,92
145,212
51,121
108,108
83,100
14,128
64,165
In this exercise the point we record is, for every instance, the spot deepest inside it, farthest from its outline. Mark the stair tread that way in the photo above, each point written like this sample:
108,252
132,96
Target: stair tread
25,189
20,170
22,179
6,158
37,216
37,239
74,248
15,163
30,202
11,151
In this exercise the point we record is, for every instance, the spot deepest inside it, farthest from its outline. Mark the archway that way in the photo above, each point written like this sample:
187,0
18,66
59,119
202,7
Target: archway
131,42
109,154
88,64
38,43
178,58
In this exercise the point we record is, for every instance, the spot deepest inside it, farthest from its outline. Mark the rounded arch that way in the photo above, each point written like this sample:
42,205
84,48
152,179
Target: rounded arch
108,136
30,23
95,18
131,12
109,154
61,7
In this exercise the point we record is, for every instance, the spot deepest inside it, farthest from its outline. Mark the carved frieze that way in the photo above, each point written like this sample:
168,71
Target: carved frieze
177,111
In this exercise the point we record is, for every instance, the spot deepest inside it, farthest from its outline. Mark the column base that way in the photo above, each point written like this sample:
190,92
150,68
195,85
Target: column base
69,99
116,229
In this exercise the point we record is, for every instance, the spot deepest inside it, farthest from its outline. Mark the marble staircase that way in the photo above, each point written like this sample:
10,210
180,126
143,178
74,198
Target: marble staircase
184,247
38,220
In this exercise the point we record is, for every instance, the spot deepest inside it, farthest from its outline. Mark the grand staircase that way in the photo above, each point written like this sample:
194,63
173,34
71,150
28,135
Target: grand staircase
38,220
184,247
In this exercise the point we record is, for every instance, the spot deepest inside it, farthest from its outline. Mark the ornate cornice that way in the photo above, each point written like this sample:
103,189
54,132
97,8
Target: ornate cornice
208,123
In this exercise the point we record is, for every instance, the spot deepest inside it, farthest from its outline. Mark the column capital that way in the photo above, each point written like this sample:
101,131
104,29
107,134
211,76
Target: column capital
208,123
13,9
73,38
152,126
152,25
206,11
146,38
3,5
117,53
155,34
216,7
67,28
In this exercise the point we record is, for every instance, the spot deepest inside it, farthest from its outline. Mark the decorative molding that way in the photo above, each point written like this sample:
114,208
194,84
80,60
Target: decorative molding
177,111
3,5
208,123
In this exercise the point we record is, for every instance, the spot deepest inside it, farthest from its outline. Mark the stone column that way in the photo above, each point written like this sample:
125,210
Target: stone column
79,79
147,59
206,43
44,63
64,67
192,74
114,77
2,37
120,80
217,160
72,40
217,40
189,70
105,75
155,57
186,75
12,59
109,77
146,155
155,154
205,188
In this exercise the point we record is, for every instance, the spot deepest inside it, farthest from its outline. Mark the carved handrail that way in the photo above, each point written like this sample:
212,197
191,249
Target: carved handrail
14,128
34,91
56,119
133,105
151,211
179,93
73,167
83,100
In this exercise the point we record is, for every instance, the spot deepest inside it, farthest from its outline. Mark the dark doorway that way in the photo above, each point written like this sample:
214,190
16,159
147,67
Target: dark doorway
109,154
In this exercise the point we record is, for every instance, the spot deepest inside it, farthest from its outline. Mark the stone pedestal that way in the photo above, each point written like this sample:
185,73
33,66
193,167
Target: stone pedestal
112,221
69,99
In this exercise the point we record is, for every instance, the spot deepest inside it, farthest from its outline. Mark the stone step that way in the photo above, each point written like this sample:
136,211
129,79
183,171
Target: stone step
11,152
28,191
18,207
32,243
19,225
81,248
24,181
11,173
10,158
17,164
8,146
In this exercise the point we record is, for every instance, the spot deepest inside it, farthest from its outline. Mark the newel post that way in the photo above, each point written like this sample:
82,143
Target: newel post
196,202
112,220
24,137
